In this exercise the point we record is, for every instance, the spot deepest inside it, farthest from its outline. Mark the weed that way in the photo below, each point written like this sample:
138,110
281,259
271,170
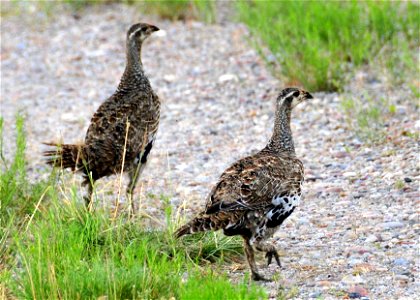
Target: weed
337,293
413,135
392,109
367,116
347,149
377,246
399,184
287,293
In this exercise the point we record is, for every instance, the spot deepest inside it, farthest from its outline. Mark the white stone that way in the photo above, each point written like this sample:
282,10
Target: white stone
69,117
371,238
349,174
169,77
228,77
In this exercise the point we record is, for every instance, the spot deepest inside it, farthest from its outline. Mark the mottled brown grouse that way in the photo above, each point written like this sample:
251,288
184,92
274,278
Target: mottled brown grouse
257,193
126,123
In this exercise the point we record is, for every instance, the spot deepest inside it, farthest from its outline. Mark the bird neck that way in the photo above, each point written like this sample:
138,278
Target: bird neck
282,139
134,64
133,72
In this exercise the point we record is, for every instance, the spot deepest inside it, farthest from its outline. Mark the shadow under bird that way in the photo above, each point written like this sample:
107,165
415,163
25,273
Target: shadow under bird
257,193
122,131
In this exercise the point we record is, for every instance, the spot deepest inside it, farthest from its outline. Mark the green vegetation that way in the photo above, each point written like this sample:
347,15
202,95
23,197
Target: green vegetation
318,43
367,116
181,9
203,10
399,184
51,247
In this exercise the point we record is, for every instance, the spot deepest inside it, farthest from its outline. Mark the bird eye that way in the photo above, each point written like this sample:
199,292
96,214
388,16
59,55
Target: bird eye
295,94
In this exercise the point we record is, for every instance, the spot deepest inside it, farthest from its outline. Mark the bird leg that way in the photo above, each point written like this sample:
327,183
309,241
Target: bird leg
89,197
139,165
134,176
249,251
270,252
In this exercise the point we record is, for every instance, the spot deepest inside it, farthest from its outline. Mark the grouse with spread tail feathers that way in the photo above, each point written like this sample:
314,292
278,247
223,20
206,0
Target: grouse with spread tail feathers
122,130
257,193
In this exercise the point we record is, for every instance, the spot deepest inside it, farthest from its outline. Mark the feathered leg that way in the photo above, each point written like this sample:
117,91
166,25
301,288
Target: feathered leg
249,251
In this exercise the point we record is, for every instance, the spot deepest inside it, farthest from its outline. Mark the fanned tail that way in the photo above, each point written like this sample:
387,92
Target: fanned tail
199,224
65,156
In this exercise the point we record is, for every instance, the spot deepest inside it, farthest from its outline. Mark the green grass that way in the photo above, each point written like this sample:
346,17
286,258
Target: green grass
318,44
204,10
51,248
399,184
366,116
181,9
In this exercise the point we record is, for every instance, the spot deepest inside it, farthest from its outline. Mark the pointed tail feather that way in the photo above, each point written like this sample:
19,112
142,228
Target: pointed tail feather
199,224
65,156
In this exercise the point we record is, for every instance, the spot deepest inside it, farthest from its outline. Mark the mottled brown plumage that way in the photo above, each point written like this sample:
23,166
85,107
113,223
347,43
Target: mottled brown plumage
122,129
257,193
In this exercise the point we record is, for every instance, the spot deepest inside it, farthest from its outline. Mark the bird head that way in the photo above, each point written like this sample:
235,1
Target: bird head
140,31
293,96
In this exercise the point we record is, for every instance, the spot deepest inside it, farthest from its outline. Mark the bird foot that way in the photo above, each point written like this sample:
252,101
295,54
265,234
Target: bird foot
269,255
258,277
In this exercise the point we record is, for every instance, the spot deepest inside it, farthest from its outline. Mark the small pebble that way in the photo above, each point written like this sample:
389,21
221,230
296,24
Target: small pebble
371,238
401,262
354,295
407,179
349,174
228,77
357,291
392,225
316,294
402,278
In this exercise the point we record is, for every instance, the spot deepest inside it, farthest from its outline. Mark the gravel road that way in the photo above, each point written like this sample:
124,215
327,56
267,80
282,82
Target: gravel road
356,233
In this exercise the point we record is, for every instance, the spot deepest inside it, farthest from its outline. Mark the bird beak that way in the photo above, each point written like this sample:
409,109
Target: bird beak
308,96
153,28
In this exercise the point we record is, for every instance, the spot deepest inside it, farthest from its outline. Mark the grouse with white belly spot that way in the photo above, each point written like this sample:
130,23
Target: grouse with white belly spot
122,130
257,193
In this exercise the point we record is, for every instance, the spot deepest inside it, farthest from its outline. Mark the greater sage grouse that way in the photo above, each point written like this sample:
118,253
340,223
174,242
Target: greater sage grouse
123,128
257,193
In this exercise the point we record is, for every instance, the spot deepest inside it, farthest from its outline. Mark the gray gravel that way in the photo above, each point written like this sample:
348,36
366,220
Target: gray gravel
356,232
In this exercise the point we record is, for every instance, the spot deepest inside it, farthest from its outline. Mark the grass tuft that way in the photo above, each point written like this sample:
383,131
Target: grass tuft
367,116
318,43
52,247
